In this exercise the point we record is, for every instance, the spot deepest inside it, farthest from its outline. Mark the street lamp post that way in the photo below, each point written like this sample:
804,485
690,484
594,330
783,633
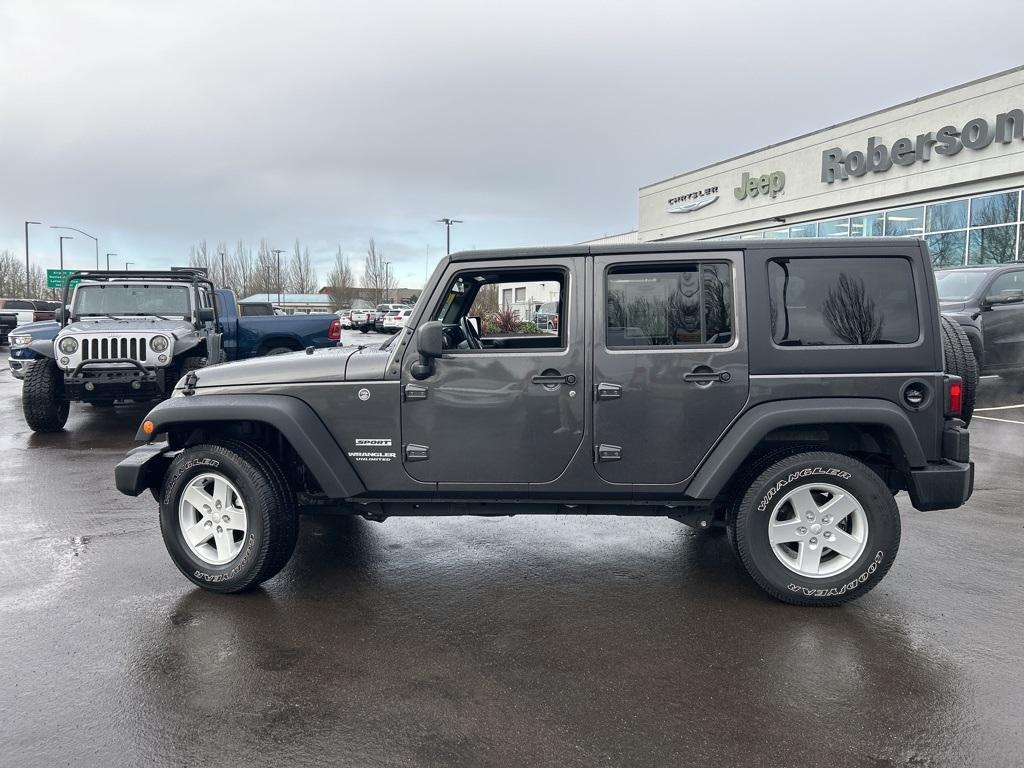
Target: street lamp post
387,280
277,252
108,260
62,238
28,269
448,230
95,240
128,264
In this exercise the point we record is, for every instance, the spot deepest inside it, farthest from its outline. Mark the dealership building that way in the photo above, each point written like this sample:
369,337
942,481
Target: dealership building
948,167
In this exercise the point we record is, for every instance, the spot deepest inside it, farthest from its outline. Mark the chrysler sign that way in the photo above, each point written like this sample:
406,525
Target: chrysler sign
878,157
693,201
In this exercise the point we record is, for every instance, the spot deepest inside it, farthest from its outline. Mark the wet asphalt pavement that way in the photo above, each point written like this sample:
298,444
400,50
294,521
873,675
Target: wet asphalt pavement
523,641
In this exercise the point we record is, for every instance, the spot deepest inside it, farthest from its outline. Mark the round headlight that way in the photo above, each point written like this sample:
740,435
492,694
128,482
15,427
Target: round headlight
158,343
68,345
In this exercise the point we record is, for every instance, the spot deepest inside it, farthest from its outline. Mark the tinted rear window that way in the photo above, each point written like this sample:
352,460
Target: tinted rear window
842,301
17,304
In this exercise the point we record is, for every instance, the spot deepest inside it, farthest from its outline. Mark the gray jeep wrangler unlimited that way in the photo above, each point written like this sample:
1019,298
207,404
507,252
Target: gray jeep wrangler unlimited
784,391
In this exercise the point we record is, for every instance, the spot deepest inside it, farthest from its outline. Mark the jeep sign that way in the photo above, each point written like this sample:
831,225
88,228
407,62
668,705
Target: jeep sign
768,184
948,140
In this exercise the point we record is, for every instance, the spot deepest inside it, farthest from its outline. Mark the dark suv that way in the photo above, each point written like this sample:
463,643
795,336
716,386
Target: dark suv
988,303
785,391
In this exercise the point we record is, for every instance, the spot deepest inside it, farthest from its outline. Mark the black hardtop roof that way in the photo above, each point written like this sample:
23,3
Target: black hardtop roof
688,246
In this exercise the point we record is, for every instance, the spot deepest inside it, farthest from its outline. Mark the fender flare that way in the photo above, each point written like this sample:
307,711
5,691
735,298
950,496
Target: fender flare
746,432
290,416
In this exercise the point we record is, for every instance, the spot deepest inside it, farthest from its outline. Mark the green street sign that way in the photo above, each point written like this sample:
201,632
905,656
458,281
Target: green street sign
55,277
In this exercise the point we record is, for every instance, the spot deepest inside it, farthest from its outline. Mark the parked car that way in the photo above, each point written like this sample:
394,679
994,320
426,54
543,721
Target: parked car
345,317
363,318
988,304
132,335
8,322
784,390
395,319
546,318
381,311
380,325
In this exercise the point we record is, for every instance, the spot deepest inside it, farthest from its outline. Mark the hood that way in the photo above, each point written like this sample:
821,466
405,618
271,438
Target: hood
332,364
175,327
44,329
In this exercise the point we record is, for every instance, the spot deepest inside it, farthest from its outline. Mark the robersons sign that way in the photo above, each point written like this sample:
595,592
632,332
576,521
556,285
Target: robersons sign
948,140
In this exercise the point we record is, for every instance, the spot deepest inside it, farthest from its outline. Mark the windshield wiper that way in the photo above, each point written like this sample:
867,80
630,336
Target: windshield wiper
97,314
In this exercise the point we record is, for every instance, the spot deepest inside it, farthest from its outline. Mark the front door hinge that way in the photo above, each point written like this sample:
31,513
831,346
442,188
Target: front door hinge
415,452
414,392
605,452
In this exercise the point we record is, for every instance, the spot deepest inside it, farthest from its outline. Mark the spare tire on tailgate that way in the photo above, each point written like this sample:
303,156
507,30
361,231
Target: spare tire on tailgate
960,361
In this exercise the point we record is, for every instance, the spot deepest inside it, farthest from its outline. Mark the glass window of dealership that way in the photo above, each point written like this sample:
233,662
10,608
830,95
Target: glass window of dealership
983,229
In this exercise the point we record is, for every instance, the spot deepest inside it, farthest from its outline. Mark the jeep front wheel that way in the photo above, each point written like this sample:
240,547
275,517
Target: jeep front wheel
43,400
817,529
227,516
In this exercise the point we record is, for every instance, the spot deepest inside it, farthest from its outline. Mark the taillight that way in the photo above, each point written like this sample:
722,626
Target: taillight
954,395
334,332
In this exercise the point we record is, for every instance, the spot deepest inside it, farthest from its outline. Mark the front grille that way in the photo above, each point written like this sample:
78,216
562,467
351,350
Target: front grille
110,348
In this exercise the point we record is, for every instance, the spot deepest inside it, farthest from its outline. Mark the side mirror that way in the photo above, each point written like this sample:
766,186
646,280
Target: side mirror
60,314
205,314
1006,297
430,345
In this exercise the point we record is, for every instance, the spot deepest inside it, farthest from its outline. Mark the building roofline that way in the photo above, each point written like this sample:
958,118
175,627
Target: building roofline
837,125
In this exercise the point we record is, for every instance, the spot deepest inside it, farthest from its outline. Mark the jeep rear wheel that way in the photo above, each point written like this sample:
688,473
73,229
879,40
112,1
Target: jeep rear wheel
817,529
227,516
42,397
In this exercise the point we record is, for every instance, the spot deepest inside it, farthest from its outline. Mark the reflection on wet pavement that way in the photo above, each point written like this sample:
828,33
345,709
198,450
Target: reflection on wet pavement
522,641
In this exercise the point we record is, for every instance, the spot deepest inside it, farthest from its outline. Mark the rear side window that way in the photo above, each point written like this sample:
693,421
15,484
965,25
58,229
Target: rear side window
687,304
842,301
17,304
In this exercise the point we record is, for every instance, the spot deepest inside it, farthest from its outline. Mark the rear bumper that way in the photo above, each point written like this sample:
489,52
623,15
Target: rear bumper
942,485
142,468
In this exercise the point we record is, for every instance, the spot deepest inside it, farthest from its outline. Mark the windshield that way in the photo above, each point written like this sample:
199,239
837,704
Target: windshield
132,299
958,284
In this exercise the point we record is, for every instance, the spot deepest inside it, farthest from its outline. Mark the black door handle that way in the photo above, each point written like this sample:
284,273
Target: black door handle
549,379
707,376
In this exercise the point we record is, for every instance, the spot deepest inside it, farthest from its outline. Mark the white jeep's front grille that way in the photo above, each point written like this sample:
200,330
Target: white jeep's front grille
100,347
131,348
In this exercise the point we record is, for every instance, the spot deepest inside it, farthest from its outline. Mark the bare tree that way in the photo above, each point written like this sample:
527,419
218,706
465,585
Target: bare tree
302,277
378,279
851,313
340,281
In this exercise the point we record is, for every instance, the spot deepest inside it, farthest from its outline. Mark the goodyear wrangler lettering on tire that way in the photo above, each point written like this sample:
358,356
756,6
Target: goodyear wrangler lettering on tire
214,578
186,466
835,592
796,476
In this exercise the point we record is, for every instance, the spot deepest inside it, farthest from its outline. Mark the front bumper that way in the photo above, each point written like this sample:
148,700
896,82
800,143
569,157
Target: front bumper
142,468
129,379
942,485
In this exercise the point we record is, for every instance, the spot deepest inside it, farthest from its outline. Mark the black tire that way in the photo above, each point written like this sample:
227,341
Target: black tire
364,329
277,351
272,518
765,495
960,361
42,397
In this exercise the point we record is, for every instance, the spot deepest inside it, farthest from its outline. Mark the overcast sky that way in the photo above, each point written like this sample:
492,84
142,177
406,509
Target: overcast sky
153,125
